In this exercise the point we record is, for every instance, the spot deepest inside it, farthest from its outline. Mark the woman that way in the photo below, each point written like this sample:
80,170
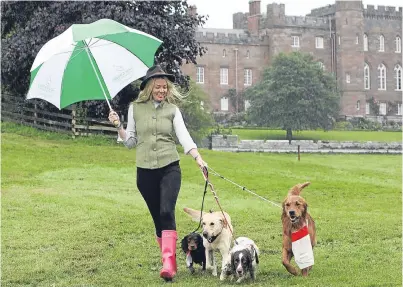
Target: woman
152,120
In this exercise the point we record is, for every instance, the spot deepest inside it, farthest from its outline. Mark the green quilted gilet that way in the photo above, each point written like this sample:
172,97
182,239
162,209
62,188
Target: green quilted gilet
156,146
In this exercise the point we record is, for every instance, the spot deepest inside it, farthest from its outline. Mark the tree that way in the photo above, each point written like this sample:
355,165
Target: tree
27,26
294,94
236,99
197,117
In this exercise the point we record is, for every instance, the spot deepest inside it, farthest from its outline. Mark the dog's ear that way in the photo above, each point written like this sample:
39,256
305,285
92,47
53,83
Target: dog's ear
249,259
255,254
284,214
199,241
233,267
296,189
224,222
184,244
305,205
194,214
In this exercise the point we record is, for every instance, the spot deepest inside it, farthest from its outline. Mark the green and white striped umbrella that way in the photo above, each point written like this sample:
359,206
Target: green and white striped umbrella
91,62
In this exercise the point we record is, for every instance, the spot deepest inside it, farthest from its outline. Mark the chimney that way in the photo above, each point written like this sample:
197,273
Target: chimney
254,16
192,10
254,7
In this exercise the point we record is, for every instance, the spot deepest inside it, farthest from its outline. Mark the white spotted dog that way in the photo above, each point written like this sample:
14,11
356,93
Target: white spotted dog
244,258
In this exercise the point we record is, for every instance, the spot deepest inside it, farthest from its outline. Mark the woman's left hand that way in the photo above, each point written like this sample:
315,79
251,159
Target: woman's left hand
201,162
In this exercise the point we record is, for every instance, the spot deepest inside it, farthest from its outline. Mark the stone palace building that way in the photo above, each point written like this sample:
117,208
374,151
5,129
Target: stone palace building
361,46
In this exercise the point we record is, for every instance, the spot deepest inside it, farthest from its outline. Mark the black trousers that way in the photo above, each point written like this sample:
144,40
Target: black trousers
160,189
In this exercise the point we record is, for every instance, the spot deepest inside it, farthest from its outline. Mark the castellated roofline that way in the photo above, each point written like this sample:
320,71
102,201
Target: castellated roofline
228,36
386,12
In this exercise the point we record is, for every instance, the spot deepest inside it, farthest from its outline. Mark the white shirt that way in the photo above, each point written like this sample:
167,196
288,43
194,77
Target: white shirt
179,126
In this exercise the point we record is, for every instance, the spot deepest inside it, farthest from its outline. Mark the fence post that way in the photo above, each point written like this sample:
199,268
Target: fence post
73,121
299,153
35,114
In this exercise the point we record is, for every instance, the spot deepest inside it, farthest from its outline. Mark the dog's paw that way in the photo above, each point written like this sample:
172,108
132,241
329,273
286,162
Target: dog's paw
214,273
192,270
223,276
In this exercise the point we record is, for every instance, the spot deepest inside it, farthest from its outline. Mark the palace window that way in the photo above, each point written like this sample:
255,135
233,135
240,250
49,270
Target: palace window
382,77
224,76
367,84
200,75
382,109
224,104
319,42
381,43
398,44
365,42
398,77
295,41
247,77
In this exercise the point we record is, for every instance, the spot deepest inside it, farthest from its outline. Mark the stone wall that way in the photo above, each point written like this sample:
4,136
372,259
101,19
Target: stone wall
230,143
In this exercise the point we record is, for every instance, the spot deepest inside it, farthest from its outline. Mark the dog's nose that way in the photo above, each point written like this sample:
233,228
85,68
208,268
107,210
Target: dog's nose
239,272
291,212
205,234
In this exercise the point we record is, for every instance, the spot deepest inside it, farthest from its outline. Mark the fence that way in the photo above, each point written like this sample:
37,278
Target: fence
29,113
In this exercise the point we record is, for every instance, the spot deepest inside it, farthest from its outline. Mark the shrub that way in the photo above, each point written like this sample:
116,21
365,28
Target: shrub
343,126
365,124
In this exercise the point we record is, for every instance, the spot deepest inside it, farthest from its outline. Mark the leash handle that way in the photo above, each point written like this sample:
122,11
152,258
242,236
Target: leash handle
205,173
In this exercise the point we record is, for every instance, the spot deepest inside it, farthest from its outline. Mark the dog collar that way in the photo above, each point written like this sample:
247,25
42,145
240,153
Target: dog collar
213,238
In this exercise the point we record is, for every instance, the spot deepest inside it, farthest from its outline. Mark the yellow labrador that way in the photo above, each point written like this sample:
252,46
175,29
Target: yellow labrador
217,236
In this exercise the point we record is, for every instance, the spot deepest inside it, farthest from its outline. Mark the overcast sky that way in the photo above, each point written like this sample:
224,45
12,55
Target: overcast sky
220,11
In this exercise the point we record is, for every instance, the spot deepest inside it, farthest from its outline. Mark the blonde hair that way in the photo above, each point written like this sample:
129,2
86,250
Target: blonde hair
173,95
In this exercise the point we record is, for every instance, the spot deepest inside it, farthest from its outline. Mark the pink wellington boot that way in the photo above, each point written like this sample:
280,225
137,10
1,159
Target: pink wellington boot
169,267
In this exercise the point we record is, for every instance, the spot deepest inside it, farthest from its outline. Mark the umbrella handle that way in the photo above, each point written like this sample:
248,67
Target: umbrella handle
116,122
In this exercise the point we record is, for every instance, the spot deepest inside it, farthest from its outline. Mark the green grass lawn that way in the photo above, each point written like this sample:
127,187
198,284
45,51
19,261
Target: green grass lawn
245,134
72,215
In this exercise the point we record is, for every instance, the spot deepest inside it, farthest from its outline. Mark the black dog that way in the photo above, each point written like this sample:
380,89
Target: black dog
192,245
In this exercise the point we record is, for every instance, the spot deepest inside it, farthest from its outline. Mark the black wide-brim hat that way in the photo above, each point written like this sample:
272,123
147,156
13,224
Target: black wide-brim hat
156,72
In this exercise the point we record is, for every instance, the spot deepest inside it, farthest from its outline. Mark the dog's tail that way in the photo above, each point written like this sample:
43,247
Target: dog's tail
296,190
195,214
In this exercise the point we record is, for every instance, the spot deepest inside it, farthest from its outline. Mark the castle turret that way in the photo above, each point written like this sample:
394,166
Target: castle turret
275,14
349,25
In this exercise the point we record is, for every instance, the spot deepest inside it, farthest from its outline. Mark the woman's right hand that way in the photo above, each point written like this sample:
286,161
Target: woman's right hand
114,118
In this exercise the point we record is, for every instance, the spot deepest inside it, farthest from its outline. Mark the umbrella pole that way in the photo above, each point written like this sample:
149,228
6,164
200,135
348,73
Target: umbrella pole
115,123
95,71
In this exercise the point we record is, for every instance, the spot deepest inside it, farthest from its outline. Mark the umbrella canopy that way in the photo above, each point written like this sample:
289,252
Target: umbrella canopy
90,62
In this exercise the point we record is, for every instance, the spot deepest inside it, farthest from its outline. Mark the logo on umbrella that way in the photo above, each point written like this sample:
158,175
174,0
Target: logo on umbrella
47,86
124,73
